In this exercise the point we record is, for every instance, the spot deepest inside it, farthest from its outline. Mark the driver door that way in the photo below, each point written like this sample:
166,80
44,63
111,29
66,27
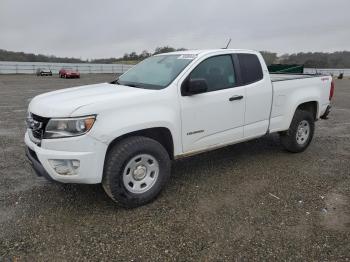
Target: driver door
215,117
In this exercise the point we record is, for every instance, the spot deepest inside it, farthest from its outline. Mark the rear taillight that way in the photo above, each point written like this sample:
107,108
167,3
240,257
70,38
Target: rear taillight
331,92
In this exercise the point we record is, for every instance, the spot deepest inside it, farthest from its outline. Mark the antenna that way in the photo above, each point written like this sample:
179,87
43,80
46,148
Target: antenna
229,41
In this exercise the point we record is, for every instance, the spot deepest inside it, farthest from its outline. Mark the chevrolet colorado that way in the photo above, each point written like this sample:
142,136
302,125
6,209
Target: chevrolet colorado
124,134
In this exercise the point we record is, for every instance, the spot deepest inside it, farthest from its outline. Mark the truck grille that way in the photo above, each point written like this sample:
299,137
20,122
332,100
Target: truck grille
36,125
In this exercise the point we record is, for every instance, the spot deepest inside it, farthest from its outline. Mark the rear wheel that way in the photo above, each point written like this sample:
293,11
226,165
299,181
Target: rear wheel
136,169
300,132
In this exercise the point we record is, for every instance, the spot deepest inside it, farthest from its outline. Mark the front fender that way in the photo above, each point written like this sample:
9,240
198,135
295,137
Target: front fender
113,124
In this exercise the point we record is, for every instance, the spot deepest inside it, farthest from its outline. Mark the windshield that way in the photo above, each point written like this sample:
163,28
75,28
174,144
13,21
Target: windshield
155,72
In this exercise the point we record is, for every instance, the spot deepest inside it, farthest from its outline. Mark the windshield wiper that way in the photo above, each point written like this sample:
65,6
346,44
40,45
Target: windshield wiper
132,85
116,82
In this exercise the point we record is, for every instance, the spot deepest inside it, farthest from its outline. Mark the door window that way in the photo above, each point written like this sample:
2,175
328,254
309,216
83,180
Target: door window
218,71
250,66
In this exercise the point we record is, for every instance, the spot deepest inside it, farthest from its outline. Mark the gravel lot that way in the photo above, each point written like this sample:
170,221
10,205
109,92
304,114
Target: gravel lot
251,201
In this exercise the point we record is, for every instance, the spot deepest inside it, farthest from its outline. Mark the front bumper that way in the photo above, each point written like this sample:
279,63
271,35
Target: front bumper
72,75
37,166
87,150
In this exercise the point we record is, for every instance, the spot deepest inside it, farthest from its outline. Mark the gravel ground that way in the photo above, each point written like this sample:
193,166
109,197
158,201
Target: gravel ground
251,201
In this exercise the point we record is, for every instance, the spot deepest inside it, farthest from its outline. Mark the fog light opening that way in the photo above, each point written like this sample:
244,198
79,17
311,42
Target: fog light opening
65,167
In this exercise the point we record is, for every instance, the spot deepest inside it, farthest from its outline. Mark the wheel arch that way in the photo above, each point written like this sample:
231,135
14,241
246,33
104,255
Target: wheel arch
161,134
310,106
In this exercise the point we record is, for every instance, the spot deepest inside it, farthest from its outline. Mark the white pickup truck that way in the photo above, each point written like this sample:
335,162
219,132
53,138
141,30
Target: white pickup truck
124,134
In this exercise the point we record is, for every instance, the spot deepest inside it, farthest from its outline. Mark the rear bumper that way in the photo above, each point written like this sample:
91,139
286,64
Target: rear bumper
326,113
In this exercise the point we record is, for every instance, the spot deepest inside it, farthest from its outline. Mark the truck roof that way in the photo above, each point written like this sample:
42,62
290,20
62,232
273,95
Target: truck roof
207,51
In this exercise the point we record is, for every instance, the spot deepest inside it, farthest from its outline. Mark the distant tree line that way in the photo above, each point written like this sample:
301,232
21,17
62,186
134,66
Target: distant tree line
27,57
315,59
270,58
318,59
311,59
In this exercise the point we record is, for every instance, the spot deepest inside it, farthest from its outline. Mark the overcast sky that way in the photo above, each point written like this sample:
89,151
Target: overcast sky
109,28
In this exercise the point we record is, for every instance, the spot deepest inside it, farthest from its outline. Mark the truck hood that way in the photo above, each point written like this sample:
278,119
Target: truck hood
63,103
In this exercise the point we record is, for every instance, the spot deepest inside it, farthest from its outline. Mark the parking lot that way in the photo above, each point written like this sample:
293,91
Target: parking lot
251,201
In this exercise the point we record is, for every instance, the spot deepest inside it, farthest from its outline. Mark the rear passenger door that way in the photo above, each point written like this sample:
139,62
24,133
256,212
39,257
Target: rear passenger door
215,117
255,77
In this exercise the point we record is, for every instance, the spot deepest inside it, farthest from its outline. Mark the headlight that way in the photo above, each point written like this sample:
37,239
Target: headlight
68,127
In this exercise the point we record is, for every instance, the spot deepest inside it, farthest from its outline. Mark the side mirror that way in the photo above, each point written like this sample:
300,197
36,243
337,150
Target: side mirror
194,86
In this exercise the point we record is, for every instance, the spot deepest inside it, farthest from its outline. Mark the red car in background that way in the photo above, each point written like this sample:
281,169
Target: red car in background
68,73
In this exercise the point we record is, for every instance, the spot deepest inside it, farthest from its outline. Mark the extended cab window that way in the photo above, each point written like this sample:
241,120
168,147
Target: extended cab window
217,71
250,66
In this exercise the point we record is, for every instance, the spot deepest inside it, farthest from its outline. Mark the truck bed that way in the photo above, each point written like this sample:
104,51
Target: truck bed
284,77
290,90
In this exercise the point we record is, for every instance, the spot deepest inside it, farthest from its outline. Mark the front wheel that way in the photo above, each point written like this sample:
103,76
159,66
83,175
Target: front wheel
136,169
300,133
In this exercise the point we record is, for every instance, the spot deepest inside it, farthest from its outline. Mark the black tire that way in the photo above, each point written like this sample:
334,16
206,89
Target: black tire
117,159
289,138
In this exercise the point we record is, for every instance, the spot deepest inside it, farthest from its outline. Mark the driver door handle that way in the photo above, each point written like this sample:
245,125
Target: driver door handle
233,98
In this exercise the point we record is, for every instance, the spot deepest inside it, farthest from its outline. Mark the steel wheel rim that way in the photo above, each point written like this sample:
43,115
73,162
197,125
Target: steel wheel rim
140,173
303,132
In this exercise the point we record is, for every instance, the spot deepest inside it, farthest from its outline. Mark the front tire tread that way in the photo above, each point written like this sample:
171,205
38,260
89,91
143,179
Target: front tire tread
115,162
